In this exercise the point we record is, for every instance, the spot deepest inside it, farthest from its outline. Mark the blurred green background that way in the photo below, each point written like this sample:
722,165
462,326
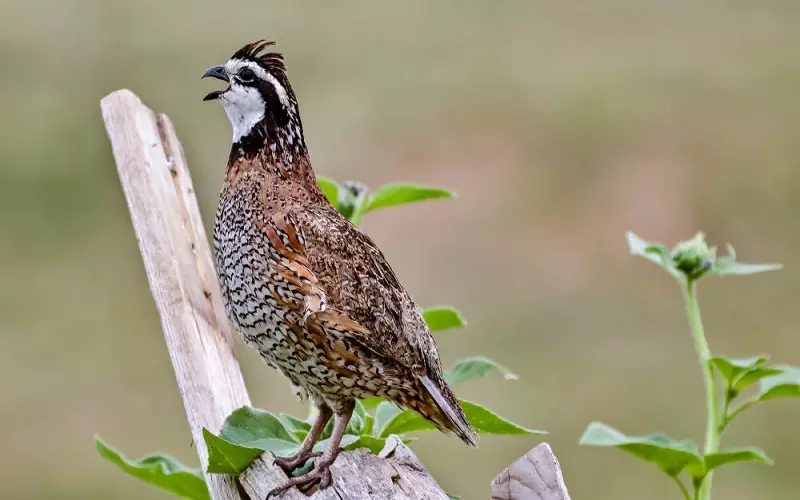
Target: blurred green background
561,126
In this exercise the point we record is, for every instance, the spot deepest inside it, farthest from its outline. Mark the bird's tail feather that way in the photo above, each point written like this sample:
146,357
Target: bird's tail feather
454,420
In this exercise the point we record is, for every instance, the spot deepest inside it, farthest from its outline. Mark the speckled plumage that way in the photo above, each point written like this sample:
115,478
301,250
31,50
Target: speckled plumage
302,285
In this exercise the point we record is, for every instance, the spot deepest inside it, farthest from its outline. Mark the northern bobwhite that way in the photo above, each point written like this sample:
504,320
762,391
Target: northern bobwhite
302,285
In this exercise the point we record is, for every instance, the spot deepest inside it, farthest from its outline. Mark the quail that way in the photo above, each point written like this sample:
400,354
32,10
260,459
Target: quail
302,285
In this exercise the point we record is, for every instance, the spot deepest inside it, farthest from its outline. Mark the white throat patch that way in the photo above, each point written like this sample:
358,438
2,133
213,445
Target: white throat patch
244,107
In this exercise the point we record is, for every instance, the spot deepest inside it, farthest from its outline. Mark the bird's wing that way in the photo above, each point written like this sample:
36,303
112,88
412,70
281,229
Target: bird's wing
359,284
343,279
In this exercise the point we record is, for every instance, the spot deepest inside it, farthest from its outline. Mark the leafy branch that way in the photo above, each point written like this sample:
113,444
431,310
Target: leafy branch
687,262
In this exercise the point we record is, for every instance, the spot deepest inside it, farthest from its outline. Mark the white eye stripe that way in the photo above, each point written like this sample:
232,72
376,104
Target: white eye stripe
235,65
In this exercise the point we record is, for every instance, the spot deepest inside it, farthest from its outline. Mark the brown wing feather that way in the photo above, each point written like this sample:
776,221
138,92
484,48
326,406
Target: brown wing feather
360,283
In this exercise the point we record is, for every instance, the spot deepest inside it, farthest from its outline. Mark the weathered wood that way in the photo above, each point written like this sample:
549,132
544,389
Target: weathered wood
396,474
158,189
535,476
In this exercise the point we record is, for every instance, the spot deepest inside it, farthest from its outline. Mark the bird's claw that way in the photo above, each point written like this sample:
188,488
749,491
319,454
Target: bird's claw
288,464
317,479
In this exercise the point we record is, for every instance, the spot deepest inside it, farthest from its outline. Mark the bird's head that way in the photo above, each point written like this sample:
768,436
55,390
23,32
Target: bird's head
259,101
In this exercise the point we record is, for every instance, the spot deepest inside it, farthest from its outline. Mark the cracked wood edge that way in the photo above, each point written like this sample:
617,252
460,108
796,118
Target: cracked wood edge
535,476
395,474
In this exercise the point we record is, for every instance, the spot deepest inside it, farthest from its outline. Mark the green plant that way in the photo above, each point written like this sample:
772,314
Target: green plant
249,432
687,262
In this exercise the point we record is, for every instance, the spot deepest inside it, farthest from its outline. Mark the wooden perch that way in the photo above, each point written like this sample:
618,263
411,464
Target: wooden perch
177,258
535,476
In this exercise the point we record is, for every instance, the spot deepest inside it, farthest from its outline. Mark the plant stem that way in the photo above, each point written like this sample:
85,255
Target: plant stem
726,406
682,487
701,346
727,418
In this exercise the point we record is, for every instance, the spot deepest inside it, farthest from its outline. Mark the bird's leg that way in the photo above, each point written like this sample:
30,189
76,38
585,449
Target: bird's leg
288,464
320,477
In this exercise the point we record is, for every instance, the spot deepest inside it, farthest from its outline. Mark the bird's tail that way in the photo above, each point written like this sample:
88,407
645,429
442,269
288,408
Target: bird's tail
447,414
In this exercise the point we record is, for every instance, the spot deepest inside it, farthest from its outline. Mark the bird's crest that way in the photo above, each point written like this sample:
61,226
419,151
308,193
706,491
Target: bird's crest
270,61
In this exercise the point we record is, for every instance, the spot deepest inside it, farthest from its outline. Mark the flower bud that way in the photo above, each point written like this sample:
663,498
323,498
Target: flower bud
694,257
351,197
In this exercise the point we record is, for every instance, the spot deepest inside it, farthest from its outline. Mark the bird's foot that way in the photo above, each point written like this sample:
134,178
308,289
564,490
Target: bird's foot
317,479
288,464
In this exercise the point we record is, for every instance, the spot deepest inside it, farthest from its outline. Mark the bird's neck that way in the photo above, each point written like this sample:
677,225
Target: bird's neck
277,149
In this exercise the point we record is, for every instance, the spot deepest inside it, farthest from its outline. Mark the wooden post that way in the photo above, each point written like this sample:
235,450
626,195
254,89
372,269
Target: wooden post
177,259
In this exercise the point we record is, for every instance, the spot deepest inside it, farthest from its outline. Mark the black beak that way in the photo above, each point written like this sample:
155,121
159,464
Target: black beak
219,73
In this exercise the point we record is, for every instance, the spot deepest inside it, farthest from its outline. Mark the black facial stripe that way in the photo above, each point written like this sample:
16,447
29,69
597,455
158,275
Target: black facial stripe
275,111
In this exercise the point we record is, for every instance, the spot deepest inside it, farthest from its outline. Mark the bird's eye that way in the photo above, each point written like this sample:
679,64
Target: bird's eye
247,75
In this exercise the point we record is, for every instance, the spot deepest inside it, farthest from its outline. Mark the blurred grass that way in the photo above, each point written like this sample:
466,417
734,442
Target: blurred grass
561,125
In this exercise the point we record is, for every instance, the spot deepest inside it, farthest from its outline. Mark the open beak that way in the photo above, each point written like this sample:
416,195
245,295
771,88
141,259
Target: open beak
219,73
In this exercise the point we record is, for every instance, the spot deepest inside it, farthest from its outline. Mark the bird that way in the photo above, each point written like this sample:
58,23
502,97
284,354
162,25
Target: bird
303,286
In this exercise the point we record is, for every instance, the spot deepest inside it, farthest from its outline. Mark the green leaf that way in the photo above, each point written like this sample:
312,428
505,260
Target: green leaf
654,252
330,188
247,424
347,440
715,460
372,443
372,403
486,421
753,376
443,318
786,384
452,496
356,423
742,372
475,367
246,434
277,447
721,268
225,457
391,195
294,425
732,368
384,415
161,471
727,266
669,455
360,410
369,422
405,421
